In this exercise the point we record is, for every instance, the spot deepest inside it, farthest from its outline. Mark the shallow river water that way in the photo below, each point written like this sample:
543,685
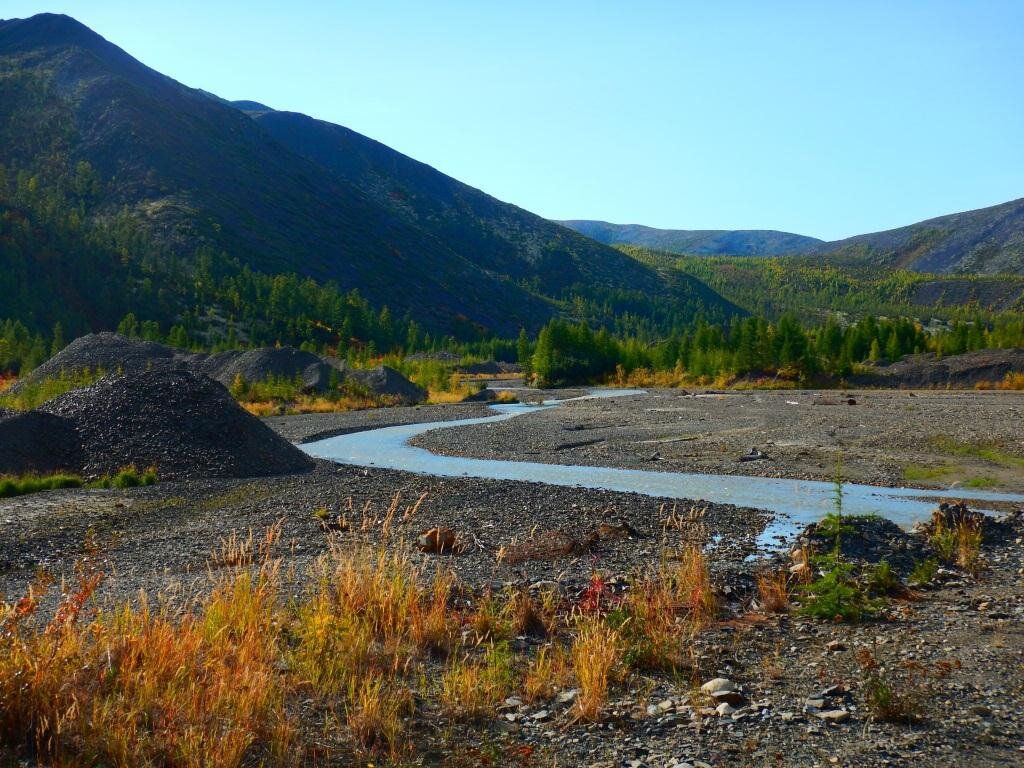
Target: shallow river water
800,501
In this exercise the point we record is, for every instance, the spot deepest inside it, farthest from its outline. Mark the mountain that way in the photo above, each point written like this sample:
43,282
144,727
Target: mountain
983,241
737,242
282,193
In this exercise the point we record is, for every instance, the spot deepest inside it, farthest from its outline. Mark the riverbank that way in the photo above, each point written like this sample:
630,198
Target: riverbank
923,439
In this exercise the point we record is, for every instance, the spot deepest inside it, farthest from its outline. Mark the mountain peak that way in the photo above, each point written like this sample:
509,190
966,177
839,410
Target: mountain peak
46,29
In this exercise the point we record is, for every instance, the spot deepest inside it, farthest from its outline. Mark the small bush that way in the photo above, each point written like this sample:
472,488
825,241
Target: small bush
923,572
836,595
893,699
882,581
958,544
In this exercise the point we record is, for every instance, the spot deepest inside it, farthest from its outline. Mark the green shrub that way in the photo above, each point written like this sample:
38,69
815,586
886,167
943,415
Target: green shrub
19,486
834,525
128,477
836,595
32,395
882,581
923,572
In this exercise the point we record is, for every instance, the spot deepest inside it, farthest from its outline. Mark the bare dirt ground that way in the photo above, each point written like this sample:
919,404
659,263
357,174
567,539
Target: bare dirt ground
924,439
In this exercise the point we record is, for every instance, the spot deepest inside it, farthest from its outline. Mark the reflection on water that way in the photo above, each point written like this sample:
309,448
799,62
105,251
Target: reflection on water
803,501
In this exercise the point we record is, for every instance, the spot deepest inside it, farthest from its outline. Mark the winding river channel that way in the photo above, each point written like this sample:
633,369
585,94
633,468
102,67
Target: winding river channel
799,501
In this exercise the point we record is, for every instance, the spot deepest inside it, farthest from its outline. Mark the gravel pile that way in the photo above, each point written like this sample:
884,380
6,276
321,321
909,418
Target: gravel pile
36,442
270,362
388,382
966,370
183,424
870,541
109,352
113,353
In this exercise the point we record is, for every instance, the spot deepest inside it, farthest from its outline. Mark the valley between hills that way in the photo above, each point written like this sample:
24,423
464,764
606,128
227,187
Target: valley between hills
313,455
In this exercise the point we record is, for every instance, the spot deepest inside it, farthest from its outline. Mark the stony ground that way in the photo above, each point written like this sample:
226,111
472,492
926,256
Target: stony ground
926,439
958,646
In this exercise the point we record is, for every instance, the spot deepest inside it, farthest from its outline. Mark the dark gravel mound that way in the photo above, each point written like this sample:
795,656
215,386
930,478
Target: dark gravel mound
39,443
110,352
271,362
113,353
491,368
958,371
873,540
183,424
388,382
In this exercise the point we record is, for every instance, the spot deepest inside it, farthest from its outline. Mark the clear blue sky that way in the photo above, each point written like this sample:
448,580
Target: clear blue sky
820,117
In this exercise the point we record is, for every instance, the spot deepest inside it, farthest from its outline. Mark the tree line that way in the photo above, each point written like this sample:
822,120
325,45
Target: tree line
753,347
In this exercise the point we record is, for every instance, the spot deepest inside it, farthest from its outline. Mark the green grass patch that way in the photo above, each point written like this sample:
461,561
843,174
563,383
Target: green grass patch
985,451
32,395
981,482
947,473
20,485
919,473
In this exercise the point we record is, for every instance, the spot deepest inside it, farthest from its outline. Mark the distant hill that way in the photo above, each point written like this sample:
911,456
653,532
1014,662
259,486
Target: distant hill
984,241
738,242
283,193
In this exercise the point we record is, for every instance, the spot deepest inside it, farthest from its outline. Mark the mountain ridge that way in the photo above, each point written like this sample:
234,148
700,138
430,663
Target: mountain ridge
735,242
983,241
277,192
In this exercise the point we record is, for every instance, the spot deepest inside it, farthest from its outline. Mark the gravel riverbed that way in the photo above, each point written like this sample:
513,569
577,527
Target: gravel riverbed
927,439
965,633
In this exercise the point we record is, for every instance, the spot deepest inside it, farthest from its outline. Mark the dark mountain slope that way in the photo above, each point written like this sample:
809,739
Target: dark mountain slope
739,242
496,235
983,241
285,193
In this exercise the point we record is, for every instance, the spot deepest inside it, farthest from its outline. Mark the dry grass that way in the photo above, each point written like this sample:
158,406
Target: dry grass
692,584
773,592
548,671
1012,382
248,672
472,686
447,396
959,543
142,686
313,404
596,653
374,717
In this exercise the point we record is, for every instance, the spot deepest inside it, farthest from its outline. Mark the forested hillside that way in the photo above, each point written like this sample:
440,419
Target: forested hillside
201,178
986,241
804,286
